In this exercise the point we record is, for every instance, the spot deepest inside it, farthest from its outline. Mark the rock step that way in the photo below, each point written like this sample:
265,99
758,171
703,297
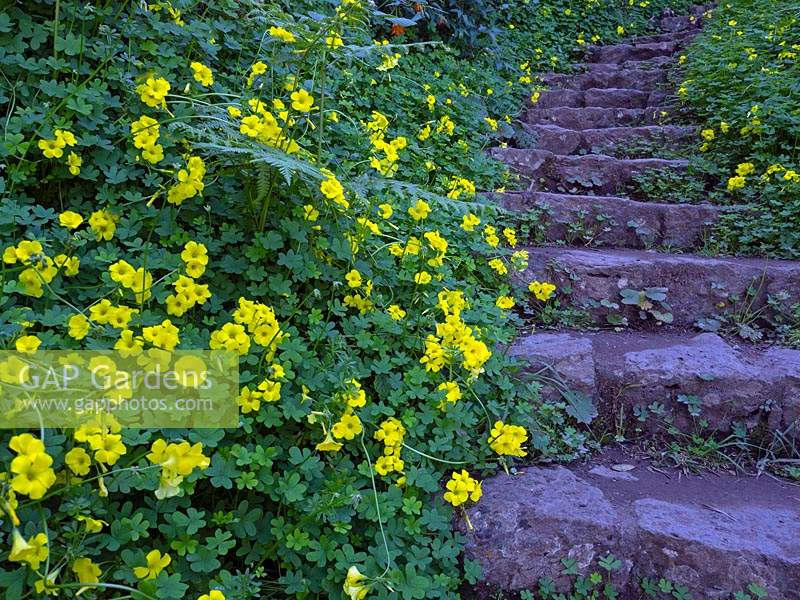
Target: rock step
615,222
623,52
656,63
608,140
601,98
680,23
683,37
595,118
598,173
698,287
625,371
714,534
638,79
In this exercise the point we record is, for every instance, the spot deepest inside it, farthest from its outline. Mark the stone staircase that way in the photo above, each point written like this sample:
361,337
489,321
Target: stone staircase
713,534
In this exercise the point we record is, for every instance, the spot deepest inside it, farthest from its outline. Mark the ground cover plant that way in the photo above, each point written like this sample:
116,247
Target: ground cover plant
742,76
279,184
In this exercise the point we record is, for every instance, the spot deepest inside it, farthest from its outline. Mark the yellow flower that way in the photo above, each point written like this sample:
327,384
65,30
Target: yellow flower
499,266
452,392
108,448
461,488
431,101
251,126
328,444
103,224
154,91
27,344
78,326
78,461
74,163
542,290
353,278
507,440
736,183
155,564
232,337
164,336
302,101
34,551
212,595
52,148
505,302
334,41
707,134
422,278
348,427
68,264
202,74
397,313
33,475
332,189
70,219
92,525
86,571
282,34
352,584
470,222
385,210
420,210
745,169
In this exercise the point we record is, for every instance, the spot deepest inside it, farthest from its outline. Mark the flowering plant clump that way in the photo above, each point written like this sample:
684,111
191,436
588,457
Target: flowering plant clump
741,76
282,187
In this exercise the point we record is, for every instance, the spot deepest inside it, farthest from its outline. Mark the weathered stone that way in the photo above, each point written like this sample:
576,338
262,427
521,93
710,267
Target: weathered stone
562,355
608,76
595,172
623,370
616,222
616,98
624,52
714,536
608,140
599,97
594,117
677,24
698,286
559,98
659,63
682,37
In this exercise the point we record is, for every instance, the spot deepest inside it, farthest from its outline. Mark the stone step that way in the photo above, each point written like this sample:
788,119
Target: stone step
682,37
652,64
623,52
638,79
622,372
680,23
606,140
614,222
698,287
597,173
595,118
601,98
713,533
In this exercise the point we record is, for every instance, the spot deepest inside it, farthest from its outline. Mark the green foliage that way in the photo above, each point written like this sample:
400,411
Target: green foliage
742,76
253,175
